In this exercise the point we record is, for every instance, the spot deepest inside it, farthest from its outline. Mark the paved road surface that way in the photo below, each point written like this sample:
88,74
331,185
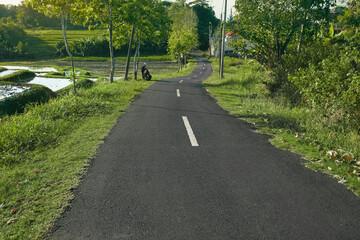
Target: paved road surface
176,166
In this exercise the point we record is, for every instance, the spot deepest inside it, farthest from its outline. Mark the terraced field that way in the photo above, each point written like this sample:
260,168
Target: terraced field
42,42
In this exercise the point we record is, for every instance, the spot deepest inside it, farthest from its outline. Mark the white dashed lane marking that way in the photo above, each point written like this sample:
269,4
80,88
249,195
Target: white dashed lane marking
190,132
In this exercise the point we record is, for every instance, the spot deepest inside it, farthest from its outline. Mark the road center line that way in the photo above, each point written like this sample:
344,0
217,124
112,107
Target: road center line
190,132
178,92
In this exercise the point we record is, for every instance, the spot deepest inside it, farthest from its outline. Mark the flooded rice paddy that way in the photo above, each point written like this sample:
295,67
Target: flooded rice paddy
98,68
10,90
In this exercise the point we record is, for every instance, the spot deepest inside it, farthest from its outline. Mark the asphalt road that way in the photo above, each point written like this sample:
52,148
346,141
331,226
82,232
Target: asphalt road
177,166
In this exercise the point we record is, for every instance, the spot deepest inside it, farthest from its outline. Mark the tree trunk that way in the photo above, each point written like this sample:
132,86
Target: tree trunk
179,62
300,39
137,55
129,52
185,64
64,28
111,48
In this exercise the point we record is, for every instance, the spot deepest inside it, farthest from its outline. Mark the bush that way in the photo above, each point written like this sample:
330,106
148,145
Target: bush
87,46
332,85
18,76
16,104
60,48
90,46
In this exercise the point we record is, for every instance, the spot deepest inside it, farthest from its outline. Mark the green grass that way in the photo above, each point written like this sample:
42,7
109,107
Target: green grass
42,42
244,94
185,71
44,152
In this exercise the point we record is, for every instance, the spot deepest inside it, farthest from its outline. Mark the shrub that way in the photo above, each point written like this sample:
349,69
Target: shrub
60,48
87,46
90,46
332,85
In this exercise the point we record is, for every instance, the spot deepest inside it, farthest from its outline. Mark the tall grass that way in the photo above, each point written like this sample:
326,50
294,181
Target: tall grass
243,91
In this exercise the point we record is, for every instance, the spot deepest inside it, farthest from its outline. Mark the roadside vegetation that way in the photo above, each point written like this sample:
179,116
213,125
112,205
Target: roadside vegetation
45,151
302,84
302,129
48,139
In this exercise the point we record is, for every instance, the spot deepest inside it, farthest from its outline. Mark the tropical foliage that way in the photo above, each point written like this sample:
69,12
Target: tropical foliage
183,37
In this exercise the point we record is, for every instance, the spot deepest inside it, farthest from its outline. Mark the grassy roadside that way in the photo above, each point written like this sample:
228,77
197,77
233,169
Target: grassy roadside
45,151
185,71
244,94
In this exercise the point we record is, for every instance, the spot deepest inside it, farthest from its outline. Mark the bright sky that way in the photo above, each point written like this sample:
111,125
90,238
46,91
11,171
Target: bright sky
13,2
218,6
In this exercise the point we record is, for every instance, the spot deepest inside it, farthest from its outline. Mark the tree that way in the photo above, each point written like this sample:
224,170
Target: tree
154,26
62,9
103,14
271,25
351,15
8,11
183,37
206,15
28,17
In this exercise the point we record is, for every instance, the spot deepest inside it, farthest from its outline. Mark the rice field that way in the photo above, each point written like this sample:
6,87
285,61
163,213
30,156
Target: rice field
42,42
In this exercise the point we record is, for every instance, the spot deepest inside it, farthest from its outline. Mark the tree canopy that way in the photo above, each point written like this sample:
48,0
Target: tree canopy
206,15
183,37
271,25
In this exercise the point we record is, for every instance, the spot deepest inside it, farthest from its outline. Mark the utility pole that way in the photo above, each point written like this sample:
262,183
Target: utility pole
223,44
210,33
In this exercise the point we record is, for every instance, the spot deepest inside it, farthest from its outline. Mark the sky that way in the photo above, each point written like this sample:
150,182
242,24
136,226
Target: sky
13,2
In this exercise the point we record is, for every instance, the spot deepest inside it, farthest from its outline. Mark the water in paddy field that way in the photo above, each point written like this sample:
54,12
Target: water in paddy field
54,84
10,90
103,67
30,68
6,72
96,67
